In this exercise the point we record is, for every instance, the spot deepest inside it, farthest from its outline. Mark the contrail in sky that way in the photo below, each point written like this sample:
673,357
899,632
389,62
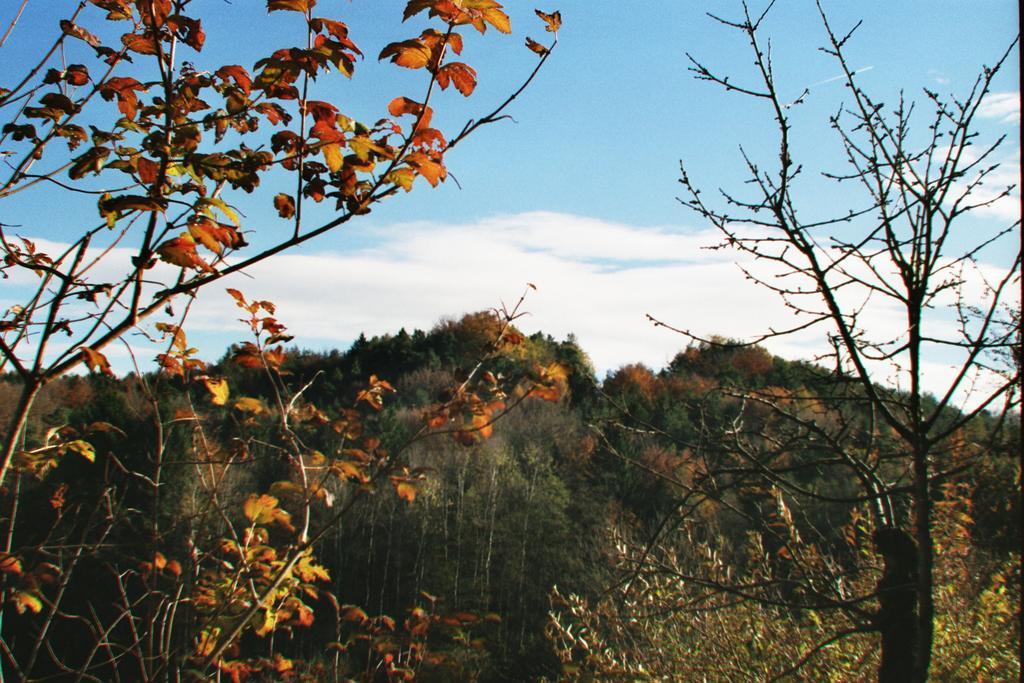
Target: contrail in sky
808,89
841,76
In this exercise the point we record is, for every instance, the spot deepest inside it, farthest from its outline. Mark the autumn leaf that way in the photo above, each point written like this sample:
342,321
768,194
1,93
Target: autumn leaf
206,642
213,235
490,12
218,388
27,602
96,361
351,470
264,510
206,206
428,167
91,161
405,489
553,20
285,205
354,614
403,105
188,30
309,572
362,146
123,89
536,47
237,74
82,448
130,202
254,406
461,75
403,177
412,54
181,251
333,156
10,564
76,31
147,170
290,5
552,383
178,339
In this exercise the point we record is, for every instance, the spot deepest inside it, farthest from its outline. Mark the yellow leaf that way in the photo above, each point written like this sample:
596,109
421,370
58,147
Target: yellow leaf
82,448
207,642
251,405
263,510
218,388
178,335
333,156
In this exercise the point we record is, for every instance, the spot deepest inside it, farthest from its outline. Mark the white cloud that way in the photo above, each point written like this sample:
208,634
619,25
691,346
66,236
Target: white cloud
1004,106
595,279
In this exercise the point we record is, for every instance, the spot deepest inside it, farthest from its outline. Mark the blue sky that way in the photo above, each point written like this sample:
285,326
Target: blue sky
578,195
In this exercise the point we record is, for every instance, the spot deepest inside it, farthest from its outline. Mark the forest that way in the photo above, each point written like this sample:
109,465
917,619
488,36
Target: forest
472,501
569,538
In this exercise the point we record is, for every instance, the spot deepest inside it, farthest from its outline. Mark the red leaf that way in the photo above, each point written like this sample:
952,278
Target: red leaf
124,89
147,170
237,74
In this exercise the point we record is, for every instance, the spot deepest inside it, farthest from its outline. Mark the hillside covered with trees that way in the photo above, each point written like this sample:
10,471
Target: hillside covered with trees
580,537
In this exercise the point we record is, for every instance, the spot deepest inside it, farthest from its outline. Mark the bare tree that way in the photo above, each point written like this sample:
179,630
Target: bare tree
908,241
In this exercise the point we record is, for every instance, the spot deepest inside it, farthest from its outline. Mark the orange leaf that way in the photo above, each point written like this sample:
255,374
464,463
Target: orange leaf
489,12
406,490
285,205
553,20
431,169
27,602
181,251
536,47
96,361
412,54
353,613
403,105
290,5
178,339
207,232
9,564
159,561
461,75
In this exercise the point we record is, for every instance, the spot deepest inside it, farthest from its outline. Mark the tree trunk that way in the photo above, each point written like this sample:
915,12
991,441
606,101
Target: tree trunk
897,619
